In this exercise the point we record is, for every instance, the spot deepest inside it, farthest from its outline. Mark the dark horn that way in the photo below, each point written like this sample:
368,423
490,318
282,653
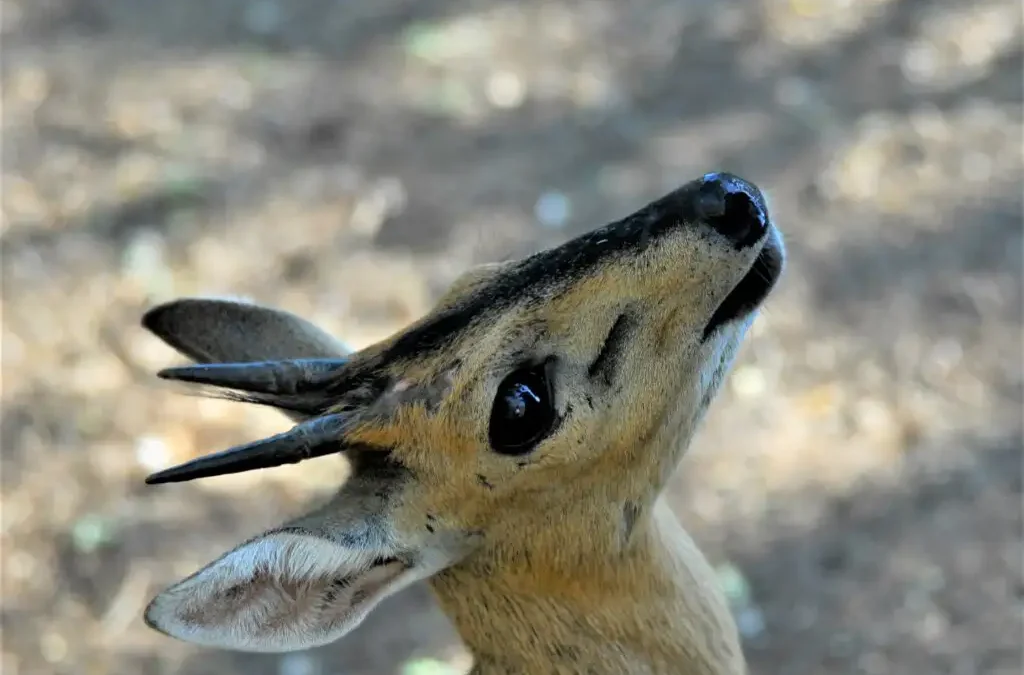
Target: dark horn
264,377
315,438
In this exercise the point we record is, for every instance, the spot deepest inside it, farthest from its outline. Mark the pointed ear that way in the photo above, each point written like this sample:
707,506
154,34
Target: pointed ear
229,331
285,590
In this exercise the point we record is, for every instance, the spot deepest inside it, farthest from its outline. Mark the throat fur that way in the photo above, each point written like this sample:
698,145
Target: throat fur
656,610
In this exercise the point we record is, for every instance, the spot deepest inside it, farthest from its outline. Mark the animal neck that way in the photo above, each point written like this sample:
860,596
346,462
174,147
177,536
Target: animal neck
619,597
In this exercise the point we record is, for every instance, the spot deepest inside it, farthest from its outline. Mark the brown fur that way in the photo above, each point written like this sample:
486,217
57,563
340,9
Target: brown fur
562,560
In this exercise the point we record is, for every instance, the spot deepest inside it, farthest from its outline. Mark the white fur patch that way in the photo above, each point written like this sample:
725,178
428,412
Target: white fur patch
723,354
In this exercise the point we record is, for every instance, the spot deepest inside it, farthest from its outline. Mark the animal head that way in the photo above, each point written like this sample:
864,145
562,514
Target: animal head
535,389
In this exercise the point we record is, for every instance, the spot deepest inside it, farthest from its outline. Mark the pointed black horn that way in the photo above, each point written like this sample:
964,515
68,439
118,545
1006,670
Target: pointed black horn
315,438
280,378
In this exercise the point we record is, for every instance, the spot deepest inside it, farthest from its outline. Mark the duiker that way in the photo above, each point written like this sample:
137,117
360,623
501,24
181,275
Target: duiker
510,448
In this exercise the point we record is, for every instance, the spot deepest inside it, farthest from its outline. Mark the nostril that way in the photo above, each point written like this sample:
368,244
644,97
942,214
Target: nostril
733,207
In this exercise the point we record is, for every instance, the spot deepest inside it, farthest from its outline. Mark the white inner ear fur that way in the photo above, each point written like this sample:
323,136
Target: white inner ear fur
282,591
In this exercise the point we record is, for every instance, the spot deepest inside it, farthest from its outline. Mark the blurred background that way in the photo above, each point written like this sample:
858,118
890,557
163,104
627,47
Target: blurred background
857,484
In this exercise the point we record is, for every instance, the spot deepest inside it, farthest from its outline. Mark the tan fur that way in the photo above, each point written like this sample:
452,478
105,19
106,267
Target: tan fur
563,560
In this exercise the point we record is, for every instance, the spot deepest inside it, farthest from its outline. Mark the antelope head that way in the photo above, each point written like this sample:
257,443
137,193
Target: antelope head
507,430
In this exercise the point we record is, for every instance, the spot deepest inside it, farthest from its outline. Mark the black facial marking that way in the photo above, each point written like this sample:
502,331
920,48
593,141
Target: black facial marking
603,367
554,267
630,514
566,653
430,528
483,481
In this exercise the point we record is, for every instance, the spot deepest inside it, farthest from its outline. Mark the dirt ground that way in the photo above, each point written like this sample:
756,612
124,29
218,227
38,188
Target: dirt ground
862,471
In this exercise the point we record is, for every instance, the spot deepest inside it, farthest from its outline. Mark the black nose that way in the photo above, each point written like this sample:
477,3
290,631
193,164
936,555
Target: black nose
734,207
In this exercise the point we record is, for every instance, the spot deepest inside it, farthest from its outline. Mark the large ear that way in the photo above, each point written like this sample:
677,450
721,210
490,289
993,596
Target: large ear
228,331
285,590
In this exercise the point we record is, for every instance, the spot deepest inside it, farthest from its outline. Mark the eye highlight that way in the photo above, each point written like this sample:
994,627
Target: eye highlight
523,412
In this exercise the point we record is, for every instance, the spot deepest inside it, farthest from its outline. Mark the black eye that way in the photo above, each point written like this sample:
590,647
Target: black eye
523,412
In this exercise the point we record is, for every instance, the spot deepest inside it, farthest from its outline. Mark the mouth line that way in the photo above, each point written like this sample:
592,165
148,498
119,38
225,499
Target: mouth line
752,290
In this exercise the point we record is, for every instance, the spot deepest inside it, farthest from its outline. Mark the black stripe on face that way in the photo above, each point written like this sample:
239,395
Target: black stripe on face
554,267
603,367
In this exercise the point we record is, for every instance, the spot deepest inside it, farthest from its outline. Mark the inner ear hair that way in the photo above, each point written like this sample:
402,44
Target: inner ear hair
280,591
